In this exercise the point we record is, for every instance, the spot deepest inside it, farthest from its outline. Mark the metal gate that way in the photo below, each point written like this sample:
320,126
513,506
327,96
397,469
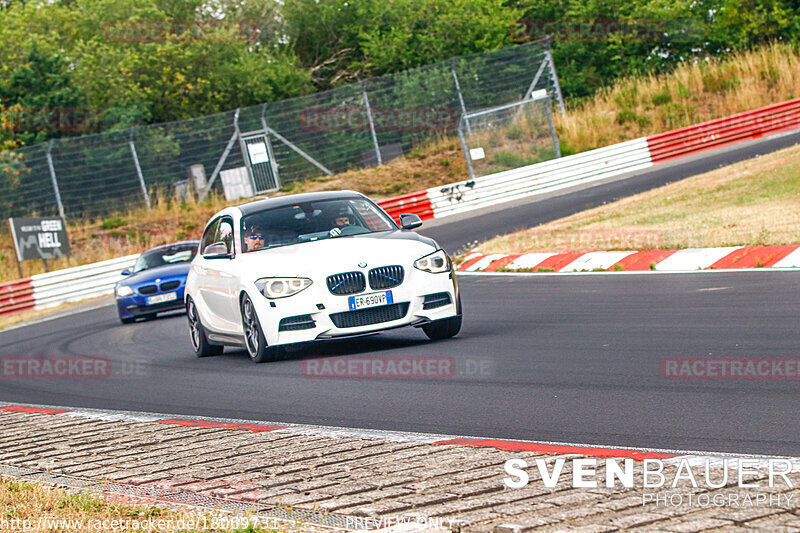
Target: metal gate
260,162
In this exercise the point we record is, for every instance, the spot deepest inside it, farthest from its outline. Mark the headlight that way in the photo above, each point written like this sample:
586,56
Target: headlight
281,287
123,291
436,263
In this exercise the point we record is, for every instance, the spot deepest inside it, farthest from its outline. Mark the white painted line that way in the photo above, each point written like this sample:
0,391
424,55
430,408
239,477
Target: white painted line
485,262
596,260
529,260
695,258
790,261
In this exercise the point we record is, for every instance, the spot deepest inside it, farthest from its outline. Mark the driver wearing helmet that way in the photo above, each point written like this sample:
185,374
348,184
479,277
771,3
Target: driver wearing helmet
342,220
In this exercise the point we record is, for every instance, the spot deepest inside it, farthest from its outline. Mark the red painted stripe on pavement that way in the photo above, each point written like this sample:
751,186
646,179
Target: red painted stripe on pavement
755,256
194,423
557,449
643,260
497,264
471,262
32,410
559,261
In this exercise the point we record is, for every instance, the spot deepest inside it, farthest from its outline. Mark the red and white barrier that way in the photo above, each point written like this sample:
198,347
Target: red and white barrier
61,286
595,165
689,259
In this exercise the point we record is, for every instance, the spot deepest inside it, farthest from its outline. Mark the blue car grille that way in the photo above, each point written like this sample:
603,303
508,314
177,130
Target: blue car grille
170,285
346,283
386,277
148,289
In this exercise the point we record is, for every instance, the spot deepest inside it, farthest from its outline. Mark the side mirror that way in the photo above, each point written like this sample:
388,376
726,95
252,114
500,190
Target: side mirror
218,250
126,272
410,221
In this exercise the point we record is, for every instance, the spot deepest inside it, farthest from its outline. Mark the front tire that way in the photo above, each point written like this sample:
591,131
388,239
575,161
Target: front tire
254,339
446,327
197,334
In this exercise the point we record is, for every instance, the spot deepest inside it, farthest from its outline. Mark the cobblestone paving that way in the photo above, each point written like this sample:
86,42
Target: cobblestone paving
371,478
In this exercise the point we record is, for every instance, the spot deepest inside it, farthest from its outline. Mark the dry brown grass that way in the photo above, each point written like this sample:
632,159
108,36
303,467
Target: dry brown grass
33,507
752,202
692,93
438,163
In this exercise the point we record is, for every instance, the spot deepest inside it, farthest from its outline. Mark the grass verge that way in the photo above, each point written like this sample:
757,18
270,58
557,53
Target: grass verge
33,507
753,202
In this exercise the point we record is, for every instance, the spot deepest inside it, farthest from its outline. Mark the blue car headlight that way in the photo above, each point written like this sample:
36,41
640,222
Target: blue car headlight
124,291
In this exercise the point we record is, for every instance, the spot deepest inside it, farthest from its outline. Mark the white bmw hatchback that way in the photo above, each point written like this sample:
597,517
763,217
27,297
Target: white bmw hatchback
308,267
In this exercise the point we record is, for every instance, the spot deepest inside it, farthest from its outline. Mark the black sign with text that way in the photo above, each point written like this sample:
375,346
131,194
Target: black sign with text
40,238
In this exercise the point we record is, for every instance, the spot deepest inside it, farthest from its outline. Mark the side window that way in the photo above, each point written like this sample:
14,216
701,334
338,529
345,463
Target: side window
208,236
225,233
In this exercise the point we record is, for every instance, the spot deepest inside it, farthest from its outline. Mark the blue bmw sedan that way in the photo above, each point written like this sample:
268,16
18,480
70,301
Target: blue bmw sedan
156,283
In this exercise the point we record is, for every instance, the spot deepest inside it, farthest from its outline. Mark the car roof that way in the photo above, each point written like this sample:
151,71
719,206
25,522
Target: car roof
196,243
280,201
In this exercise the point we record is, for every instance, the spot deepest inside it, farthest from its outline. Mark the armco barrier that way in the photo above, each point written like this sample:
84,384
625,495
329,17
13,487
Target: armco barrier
79,283
415,202
540,178
16,296
69,285
725,131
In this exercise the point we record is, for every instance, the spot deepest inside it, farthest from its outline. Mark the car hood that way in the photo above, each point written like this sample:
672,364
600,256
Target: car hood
164,271
341,254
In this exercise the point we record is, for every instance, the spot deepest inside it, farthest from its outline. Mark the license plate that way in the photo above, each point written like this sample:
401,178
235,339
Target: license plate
161,298
370,300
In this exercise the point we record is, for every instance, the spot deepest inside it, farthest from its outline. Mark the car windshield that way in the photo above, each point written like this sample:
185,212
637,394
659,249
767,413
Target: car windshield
312,221
167,255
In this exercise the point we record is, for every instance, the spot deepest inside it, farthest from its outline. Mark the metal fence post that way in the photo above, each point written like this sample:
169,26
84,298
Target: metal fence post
270,153
371,123
554,76
552,128
224,157
53,178
460,96
139,173
466,151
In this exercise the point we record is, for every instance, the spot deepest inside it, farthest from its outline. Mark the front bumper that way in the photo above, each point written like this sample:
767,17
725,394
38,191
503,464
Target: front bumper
316,314
136,305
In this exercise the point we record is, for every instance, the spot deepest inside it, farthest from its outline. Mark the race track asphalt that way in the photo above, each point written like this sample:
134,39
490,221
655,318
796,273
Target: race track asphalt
573,358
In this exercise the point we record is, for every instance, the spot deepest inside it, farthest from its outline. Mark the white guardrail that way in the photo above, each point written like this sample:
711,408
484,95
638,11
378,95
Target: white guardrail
79,283
540,178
